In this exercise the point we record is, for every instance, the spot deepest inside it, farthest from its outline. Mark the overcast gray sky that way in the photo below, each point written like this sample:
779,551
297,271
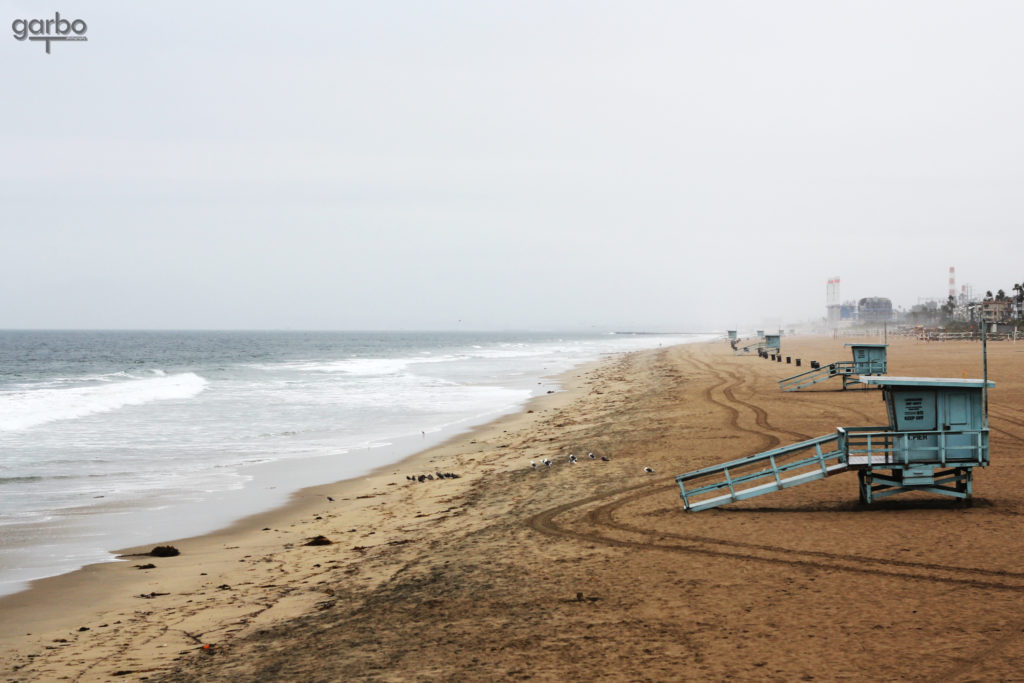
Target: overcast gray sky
505,164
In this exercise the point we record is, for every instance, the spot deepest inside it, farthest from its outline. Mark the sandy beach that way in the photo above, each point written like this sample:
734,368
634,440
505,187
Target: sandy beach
583,571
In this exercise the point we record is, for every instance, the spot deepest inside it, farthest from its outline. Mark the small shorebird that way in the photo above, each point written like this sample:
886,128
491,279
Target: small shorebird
533,464
605,458
648,470
591,456
547,463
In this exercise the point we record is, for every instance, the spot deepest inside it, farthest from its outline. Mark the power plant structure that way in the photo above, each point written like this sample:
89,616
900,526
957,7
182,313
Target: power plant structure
832,305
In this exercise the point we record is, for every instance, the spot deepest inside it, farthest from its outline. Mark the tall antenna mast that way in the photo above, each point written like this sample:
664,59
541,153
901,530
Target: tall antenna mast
984,367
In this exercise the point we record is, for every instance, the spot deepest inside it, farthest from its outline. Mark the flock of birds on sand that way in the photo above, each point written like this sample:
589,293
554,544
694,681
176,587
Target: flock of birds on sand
546,462
431,477
573,460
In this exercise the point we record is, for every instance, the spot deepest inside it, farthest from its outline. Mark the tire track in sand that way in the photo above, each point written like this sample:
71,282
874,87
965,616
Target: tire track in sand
768,441
594,526
1002,418
760,415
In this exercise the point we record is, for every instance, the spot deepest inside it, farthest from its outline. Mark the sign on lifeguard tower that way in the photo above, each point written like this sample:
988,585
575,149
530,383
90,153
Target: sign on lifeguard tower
937,434
868,359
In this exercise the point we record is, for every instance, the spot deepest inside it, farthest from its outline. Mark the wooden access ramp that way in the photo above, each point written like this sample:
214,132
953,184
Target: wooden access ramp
756,475
843,368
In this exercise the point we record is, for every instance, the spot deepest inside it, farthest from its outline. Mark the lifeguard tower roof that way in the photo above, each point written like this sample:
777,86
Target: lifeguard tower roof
953,382
873,346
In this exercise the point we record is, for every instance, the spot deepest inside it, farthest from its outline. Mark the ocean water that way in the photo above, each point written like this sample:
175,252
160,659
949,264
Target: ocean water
115,439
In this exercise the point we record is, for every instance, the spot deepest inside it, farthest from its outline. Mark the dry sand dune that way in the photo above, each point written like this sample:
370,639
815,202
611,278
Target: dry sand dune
589,570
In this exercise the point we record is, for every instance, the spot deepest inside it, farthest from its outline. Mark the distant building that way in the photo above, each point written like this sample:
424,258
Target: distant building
874,309
997,310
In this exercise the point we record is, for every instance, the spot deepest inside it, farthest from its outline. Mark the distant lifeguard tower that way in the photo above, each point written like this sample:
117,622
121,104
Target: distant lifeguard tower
937,434
868,359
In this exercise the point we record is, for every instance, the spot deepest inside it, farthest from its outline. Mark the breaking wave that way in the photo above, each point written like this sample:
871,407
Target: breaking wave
24,409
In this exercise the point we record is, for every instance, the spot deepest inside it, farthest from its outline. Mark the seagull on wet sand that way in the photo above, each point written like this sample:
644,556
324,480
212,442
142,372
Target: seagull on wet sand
648,470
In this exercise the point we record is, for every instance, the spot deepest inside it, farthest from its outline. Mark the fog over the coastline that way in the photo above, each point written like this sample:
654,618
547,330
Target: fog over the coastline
443,165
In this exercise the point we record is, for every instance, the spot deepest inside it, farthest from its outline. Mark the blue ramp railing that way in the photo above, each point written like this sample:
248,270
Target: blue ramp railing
869,447
825,372
842,368
762,473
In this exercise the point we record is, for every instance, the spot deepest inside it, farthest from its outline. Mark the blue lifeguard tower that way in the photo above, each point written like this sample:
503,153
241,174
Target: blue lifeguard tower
772,342
937,434
732,335
868,359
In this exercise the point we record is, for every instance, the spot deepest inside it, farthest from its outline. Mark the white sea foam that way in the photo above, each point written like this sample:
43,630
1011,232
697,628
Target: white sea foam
24,409
78,381
356,366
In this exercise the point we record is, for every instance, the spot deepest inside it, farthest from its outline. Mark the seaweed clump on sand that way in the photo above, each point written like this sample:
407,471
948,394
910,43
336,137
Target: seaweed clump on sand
319,540
164,551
